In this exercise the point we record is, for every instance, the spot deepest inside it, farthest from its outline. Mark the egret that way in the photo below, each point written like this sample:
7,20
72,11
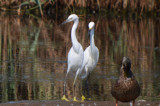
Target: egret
91,55
75,55
126,88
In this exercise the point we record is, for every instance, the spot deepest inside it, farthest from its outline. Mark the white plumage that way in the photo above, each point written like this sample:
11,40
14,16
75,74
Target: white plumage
75,55
78,59
91,53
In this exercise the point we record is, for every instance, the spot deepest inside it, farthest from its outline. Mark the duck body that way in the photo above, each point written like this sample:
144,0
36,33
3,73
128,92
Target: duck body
126,89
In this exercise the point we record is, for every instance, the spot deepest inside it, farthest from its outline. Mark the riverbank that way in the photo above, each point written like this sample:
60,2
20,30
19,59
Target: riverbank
86,103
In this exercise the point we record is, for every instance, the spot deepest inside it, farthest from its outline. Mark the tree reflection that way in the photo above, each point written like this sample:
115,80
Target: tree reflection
33,56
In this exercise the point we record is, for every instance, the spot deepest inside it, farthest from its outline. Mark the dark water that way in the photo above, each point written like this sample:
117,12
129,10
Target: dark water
33,56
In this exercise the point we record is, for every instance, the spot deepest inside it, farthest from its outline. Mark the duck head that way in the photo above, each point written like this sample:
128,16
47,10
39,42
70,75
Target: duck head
126,67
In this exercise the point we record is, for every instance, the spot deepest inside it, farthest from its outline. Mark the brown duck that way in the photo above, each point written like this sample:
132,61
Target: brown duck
126,88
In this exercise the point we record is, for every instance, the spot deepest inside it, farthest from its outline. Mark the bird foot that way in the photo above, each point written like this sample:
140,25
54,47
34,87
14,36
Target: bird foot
83,98
64,98
75,100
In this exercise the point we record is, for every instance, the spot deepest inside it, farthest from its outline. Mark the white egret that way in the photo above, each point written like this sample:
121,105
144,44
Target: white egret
91,55
75,55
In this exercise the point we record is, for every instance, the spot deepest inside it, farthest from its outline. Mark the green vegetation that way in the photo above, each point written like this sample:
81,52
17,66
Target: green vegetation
123,7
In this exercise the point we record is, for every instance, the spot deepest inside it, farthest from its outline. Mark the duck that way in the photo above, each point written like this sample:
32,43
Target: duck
126,88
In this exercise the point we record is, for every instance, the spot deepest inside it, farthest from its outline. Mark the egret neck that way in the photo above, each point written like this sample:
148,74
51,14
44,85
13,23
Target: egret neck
75,42
92,44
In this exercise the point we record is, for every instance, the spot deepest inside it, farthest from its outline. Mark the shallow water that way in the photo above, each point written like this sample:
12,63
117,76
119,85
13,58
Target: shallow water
33,56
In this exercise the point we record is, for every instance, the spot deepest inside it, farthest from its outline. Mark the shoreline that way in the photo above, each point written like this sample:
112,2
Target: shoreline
71,103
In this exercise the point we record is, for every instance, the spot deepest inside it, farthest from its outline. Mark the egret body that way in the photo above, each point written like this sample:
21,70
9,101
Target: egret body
75,55
91,54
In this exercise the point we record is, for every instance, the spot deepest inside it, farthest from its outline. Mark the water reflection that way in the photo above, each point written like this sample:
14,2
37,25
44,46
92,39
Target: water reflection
33,56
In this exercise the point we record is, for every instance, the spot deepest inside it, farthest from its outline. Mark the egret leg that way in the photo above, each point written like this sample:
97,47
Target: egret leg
64,92
88,87
86,83
74,85
85,88
116,102
83,91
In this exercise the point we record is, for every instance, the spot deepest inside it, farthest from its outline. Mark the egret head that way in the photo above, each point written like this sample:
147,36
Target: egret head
72,17
91,25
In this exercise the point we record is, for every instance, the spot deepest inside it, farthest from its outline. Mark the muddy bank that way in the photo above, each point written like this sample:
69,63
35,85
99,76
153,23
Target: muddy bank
86,103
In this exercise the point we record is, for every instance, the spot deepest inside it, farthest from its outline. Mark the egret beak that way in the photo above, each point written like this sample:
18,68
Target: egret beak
66,21
89,32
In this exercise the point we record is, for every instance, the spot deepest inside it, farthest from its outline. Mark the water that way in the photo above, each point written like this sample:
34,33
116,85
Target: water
33,56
